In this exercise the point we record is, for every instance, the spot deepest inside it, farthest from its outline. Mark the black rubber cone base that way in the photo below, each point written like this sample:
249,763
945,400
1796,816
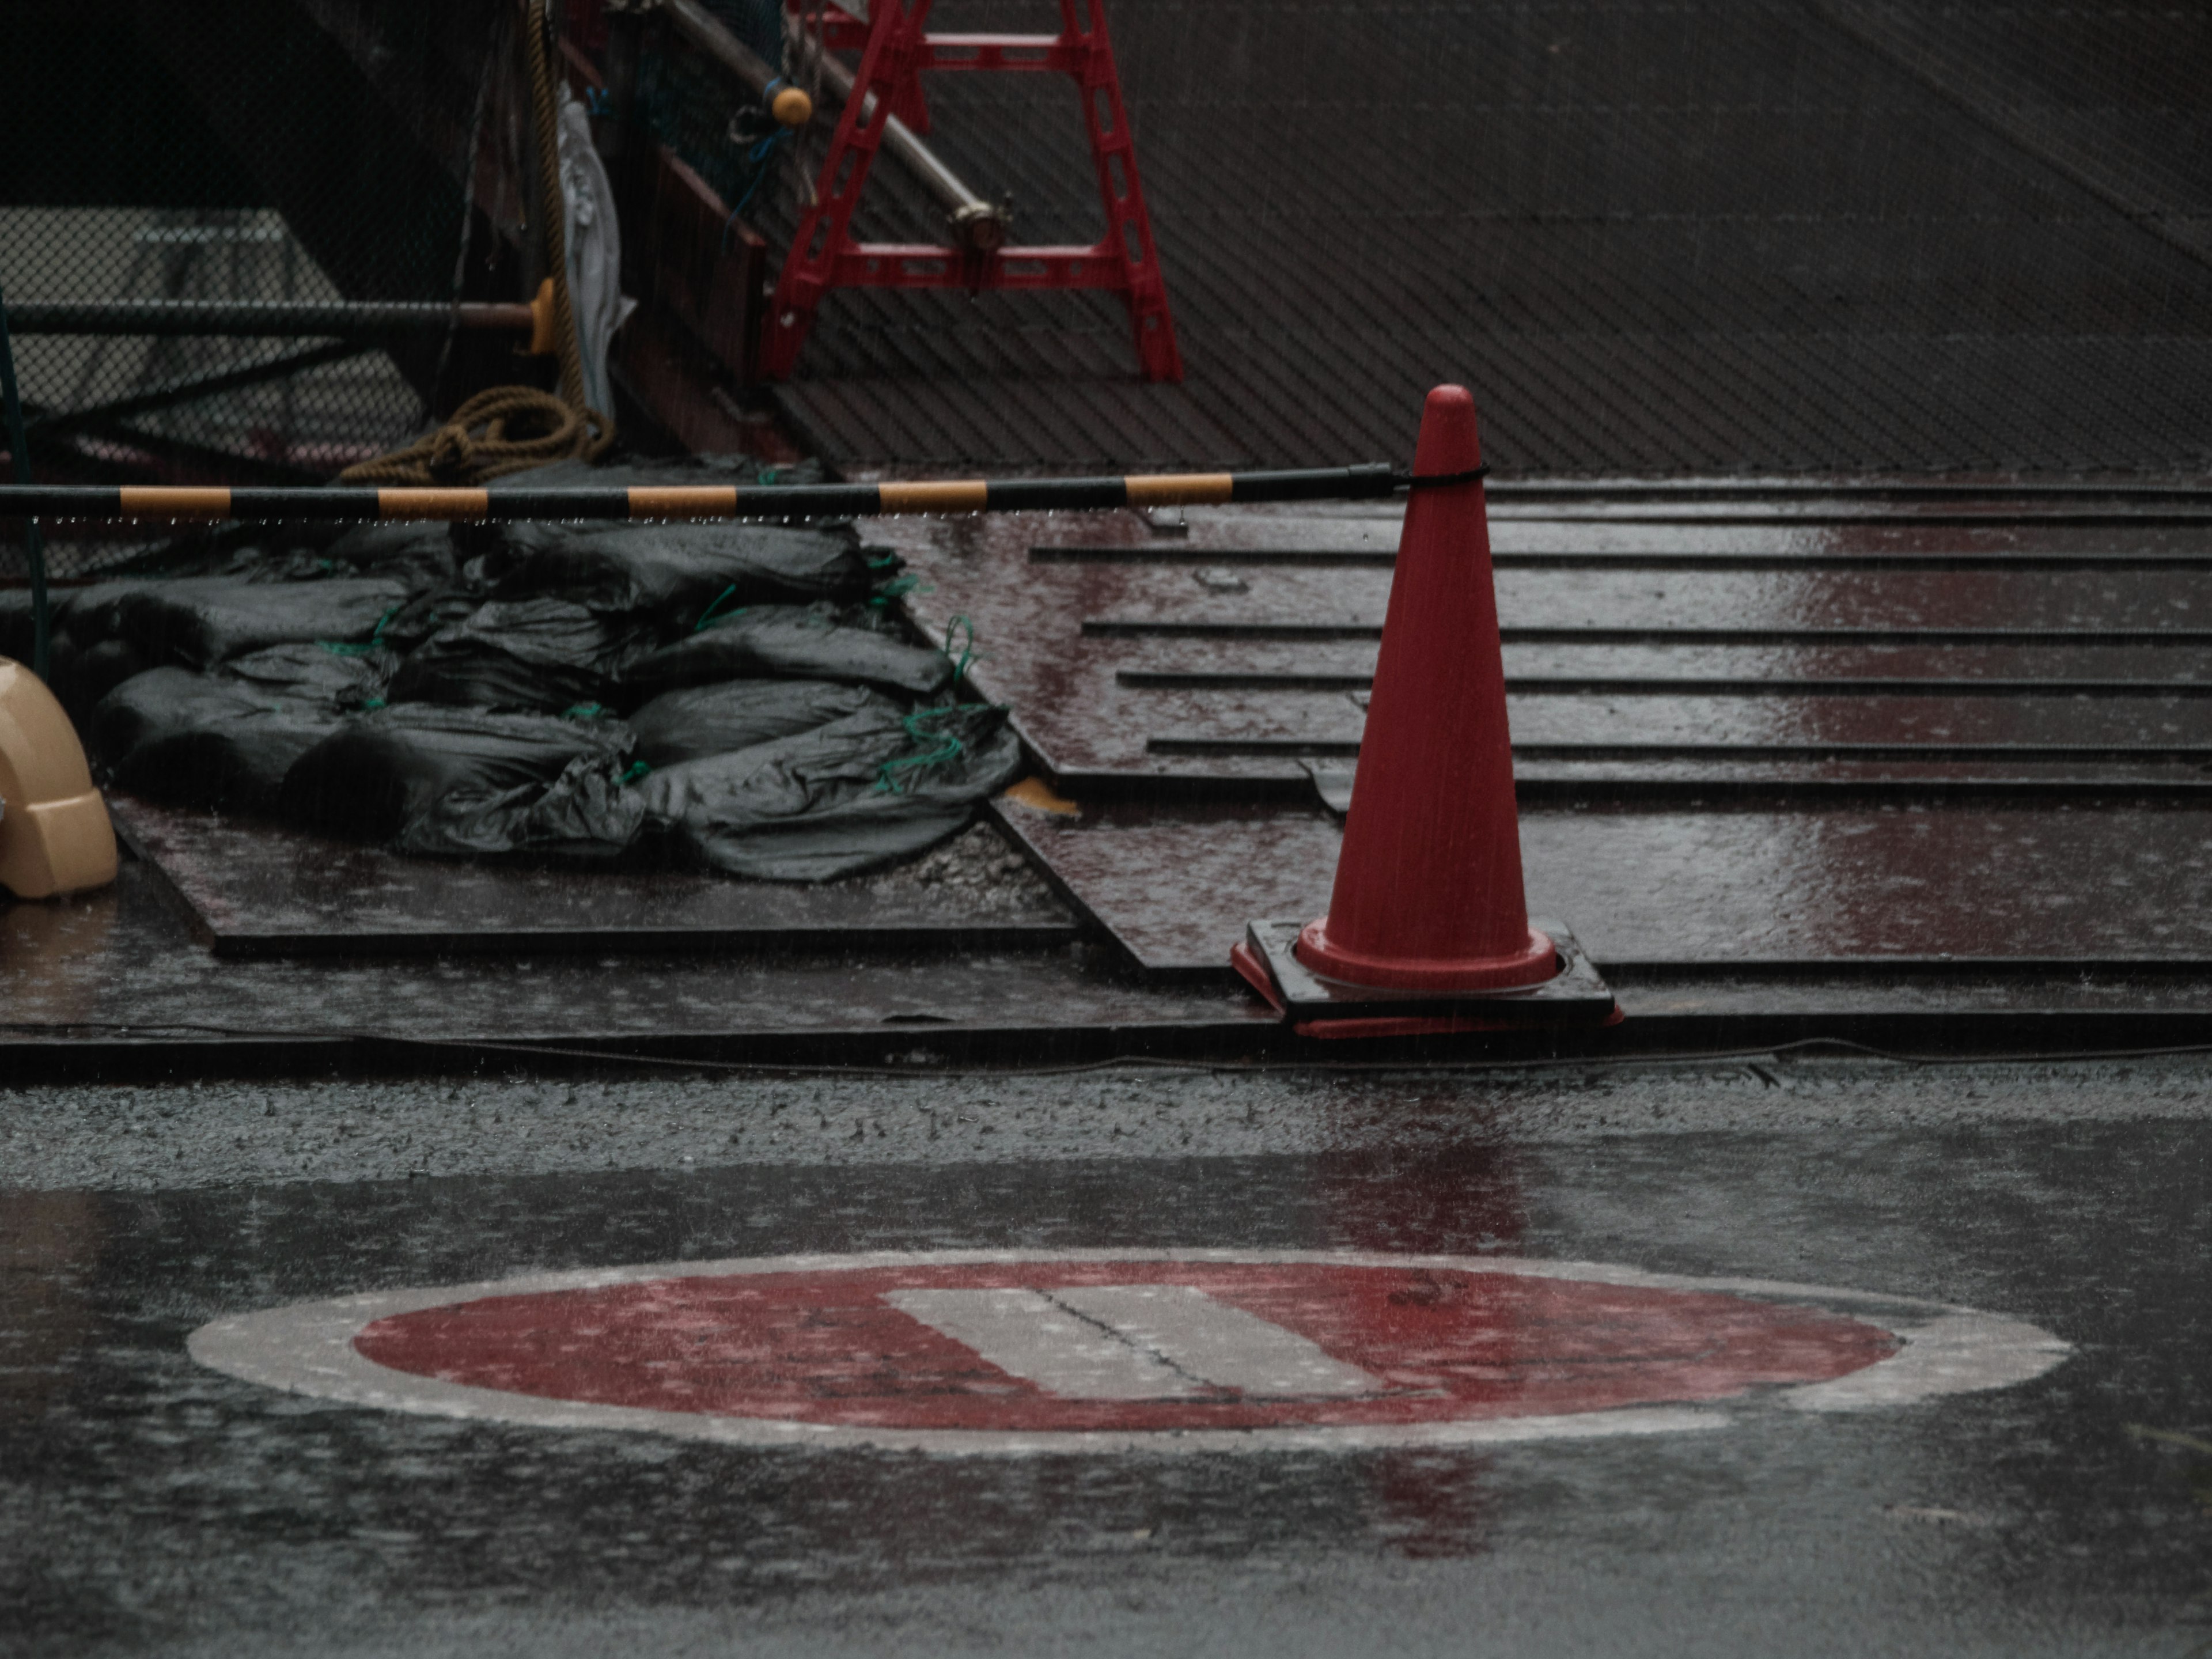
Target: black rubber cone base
1577,995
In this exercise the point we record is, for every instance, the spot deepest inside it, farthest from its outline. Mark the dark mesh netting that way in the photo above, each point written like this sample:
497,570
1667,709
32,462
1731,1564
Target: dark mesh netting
1716,236
1743,236
260,152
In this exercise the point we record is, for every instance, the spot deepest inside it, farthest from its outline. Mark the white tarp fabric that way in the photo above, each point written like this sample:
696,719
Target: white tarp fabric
594,237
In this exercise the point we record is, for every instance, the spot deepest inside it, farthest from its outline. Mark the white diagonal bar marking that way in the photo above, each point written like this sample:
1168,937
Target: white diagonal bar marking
1132,1342
1026,1333
1228,1347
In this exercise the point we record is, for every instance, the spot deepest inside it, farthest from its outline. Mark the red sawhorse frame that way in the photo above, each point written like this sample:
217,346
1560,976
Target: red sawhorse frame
895,49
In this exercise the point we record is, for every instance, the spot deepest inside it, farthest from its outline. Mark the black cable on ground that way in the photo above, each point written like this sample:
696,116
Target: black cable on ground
1807,1047
1810,1047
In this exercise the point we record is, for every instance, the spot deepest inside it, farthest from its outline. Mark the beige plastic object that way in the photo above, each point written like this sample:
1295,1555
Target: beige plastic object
54,833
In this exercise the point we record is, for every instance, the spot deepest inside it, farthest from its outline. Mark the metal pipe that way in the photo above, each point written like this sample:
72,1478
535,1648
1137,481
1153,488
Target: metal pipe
701,27
274,317
980,225
51,426
505,505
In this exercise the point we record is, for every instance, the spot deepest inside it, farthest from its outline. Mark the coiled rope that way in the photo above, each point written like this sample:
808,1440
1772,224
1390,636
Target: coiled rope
511,428
508,429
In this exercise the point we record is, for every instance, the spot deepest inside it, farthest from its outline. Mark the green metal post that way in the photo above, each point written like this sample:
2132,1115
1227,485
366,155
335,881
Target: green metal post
34,549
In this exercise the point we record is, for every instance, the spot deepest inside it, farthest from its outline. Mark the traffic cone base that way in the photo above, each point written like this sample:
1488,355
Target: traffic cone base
1535,963
1574,993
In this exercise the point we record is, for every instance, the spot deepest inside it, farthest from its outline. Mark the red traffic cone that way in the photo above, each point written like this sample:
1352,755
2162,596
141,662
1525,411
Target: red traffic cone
1428,887
1428,928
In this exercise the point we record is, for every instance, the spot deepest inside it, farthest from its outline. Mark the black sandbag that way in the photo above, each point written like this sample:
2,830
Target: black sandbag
91,613
674,572
19,625
80,618
201,621
718,719
794,642
344,680
16,622
442,606
459,781
857,792
417,553
540,656
190,741
743,471
99,668
264,552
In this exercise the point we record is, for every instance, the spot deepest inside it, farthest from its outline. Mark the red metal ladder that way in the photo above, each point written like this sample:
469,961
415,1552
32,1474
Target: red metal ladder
895,49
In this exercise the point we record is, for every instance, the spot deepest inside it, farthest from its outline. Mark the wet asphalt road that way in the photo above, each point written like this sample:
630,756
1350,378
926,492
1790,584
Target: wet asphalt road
147,1505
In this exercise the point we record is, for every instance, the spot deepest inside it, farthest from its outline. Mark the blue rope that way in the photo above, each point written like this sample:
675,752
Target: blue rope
756,159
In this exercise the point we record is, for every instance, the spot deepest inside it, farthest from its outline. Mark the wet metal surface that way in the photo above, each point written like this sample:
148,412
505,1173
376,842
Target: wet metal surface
121,967
1721,888
115,985
257,889
149,1504
1128,666
1756,734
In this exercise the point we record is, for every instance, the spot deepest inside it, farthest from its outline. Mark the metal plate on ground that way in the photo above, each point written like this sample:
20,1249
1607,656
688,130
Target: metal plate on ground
2104,889
259,890
1844,645
1774,735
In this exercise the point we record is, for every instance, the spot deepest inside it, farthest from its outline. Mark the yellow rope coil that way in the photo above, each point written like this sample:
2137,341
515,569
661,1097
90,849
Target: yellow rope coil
508,429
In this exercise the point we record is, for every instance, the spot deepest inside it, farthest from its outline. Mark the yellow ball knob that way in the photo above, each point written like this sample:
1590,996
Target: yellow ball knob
792,107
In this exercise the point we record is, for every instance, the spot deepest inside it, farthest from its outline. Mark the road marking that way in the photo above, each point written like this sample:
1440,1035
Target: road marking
1384,1350
1026,1333
1958,1353
1133,1342
1228,1347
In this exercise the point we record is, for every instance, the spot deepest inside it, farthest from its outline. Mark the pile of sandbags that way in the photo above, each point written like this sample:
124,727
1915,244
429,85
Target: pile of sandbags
735,696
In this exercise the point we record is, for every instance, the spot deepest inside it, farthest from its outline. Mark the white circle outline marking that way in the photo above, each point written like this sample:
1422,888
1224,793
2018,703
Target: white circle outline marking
307,1348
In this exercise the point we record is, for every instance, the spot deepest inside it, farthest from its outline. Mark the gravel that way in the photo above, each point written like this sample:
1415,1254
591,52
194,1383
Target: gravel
979,866
145,1138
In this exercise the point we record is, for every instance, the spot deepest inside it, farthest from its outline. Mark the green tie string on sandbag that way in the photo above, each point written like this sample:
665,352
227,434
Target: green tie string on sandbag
960,625
374,643
918,725
889,779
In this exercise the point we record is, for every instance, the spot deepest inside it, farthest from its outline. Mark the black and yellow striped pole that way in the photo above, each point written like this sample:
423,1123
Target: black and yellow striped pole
361,503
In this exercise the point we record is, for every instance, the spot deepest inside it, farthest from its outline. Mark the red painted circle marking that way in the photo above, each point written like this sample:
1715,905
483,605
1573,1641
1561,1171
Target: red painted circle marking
830,1347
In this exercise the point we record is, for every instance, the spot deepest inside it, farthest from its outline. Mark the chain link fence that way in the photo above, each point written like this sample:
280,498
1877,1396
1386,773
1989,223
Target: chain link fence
210,164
